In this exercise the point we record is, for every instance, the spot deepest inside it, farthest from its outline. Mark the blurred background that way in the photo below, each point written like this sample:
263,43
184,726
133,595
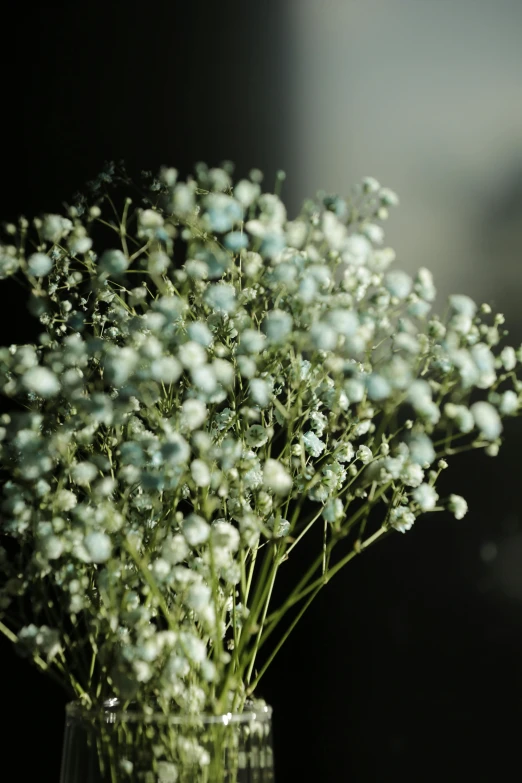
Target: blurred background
409,663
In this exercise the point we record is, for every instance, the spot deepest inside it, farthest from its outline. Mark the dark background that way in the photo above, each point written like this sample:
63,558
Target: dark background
408,664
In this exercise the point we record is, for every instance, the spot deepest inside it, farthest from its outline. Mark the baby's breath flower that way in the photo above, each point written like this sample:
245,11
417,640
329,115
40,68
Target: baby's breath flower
277,326
508,358
487,420
195,529
165,427
313,444
276,477
426,497
39,264
401,519
364,454
42,381
98,546
200,473
193,414
458,506
84,473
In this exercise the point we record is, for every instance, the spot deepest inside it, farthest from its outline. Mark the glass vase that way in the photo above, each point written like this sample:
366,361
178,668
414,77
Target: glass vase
112,745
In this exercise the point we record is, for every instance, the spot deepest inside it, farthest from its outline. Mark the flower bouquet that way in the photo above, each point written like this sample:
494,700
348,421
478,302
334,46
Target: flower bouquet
214,382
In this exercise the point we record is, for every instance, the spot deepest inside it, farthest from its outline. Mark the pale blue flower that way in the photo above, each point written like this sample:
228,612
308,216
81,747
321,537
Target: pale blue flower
277,326
307,291
333,510
485,361
235,241
175,549
120,363
378,387
175,450
371,185
113,262
344,321
222,212
221,297
419,308
323,337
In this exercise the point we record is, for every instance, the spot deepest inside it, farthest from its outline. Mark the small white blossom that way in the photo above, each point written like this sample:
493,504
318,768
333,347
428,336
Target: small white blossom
193,414
426,497
41,381
39,264
487,420
276,477
401,519
508,403
195,529
84,473
313,444
333,510
364,454
98,546
508,358
200,473
458,506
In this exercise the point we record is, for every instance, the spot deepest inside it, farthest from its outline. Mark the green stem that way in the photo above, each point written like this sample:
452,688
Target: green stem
315,588
261,624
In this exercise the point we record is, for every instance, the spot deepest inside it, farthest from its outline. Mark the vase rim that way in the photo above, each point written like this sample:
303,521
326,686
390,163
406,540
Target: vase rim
111,712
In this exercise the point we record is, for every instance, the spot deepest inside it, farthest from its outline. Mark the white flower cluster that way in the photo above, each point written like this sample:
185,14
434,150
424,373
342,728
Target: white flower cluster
185,413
